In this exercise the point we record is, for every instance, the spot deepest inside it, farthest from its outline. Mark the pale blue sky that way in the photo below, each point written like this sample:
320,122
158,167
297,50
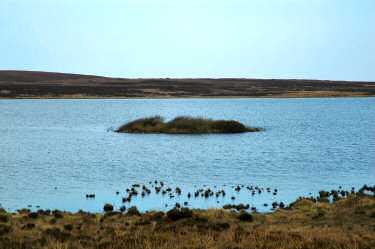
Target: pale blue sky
303,39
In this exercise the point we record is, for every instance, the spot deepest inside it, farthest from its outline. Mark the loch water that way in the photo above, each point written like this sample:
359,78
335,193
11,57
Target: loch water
54,152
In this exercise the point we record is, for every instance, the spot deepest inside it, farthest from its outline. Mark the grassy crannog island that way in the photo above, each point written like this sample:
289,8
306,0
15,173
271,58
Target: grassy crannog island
184,125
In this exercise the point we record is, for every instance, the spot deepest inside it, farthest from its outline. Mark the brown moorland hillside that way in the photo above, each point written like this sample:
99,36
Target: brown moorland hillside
32,84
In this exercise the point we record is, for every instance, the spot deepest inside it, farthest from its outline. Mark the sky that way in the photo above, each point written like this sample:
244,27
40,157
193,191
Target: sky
281,39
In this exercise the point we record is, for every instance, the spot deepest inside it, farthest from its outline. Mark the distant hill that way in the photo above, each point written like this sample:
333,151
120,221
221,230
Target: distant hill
33,84
35,76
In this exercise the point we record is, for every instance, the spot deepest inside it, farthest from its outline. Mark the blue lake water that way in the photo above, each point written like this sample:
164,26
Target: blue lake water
54,152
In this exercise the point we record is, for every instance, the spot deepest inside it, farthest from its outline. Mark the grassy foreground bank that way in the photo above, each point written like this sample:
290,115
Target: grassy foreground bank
345,223
184,125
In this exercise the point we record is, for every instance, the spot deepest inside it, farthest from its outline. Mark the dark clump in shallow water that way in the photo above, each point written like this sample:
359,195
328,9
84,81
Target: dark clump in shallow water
238,207
184,125
108,208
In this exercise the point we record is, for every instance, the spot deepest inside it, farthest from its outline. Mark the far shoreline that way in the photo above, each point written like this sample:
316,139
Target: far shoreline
49,85
196,97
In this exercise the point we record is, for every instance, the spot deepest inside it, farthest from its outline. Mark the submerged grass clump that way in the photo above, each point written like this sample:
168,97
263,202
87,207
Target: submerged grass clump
184,125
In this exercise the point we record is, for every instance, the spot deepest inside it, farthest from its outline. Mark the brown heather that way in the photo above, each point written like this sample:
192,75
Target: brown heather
32,84
347,223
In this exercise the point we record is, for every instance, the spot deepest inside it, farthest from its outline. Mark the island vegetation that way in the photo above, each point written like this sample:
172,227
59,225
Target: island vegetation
345,223
184,125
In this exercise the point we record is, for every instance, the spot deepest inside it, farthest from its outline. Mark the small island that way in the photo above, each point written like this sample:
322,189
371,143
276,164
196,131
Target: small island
184,125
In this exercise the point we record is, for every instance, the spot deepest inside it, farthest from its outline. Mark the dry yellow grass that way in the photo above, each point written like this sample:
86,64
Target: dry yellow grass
348,223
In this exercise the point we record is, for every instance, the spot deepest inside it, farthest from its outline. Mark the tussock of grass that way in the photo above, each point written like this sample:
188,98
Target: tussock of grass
184,125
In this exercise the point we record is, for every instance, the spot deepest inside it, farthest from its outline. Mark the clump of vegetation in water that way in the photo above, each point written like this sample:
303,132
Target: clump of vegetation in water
184,125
